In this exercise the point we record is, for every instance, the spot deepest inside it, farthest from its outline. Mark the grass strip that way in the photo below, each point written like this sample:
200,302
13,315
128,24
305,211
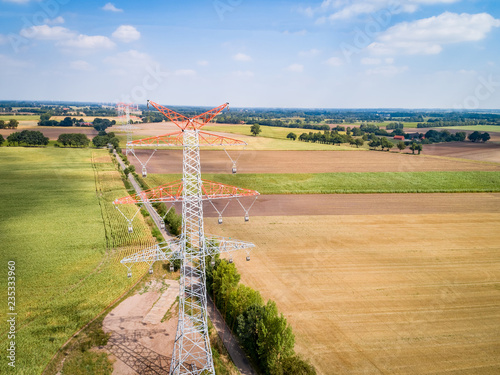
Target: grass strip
355,183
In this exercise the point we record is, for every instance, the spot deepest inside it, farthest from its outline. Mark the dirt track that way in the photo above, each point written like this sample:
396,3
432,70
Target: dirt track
170,161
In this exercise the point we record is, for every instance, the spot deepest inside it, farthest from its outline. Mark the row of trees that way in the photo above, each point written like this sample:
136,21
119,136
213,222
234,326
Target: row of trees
73,140
262,331
98,123
12,124
103,138
478,136
28,138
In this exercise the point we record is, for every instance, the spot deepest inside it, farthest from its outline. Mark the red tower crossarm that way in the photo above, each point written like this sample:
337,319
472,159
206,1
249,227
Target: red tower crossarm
216,190
206,117
176,139
172,192
173,116
170,139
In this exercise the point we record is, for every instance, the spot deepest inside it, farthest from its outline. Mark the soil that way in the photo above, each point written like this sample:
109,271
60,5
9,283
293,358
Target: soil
488,151
359,204
136,345
398,293
170,161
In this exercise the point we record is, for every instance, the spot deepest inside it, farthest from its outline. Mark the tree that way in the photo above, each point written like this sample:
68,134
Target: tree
66,122
485,136
239,300
419,148
275,338
225,279
295,365
14,138
2,140
100,140
474,136
401,145
413,147
12,124
2,124
255,129
292,136
45,116
359,142
114,141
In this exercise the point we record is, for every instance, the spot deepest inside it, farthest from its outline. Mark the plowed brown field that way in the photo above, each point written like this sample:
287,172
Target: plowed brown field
382,293
170,161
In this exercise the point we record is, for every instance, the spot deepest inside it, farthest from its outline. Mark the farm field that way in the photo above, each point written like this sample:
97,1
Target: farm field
481,128
52,132
349,183
59,226
170,161
489,152
361,204
381,293
260,142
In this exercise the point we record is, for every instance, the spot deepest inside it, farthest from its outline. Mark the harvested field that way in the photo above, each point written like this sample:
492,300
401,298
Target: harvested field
53,132
170,161
382,293
488,151
362,204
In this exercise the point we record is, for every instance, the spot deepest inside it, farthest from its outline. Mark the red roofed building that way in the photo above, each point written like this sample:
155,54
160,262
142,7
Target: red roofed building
399,137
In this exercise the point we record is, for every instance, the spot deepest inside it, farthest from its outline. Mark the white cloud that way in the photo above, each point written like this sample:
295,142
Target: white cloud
126,33
309,53
45,32
296,68
244,73
334,61
185,73
88,42
427,36
241,57
345,9
387,70
80,65
3,39
111,8
55,21
202,63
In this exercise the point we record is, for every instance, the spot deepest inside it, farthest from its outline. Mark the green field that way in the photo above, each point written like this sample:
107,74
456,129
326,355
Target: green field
480,128
267,131
20,117
352,183
58,224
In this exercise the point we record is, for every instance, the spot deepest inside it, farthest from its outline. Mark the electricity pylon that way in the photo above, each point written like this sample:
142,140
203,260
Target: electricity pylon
123,110
192,353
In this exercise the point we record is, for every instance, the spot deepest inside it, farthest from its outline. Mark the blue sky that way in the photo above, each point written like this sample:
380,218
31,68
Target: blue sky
311,54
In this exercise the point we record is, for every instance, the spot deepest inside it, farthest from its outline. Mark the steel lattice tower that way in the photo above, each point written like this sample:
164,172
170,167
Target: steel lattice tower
192,353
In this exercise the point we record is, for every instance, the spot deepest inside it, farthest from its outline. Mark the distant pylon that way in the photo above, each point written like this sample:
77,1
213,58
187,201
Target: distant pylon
192,352
123,110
